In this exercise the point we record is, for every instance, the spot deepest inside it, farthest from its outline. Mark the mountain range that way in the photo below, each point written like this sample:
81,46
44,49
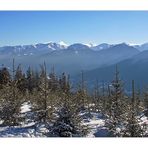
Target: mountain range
97,61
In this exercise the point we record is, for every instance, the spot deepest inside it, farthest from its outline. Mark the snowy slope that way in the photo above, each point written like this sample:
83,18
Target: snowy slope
94,121
28,127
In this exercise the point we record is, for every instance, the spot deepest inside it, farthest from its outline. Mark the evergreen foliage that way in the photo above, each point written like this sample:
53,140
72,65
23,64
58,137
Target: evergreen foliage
57,105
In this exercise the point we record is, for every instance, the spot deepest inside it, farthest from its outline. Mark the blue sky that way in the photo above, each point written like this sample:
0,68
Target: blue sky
30,27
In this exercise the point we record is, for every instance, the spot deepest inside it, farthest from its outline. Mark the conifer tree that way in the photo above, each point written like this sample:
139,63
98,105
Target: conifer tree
145,101
133,128
82,93
5,77
45,97
43,93
97,98
68,122
117,113
11,102
53,82
30,77
103,106
20,79
64,83
18,74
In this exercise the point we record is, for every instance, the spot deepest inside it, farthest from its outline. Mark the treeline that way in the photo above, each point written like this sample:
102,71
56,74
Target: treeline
59,108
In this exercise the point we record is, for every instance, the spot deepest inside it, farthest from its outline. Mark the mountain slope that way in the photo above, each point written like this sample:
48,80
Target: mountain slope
79,57
142,47
101,46
135,68
71,59
32,49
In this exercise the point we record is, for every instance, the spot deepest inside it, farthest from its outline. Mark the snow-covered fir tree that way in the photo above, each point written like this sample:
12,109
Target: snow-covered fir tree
132,126
116,107
68,122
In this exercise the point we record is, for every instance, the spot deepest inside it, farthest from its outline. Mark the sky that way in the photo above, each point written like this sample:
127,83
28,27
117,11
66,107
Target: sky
31,27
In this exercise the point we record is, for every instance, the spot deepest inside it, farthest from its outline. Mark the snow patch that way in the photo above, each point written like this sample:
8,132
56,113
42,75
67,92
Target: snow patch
63,44
26,107
90,44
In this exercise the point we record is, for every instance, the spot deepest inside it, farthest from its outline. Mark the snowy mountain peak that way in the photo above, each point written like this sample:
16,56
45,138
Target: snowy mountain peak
101,46
62,43
90,45
48,47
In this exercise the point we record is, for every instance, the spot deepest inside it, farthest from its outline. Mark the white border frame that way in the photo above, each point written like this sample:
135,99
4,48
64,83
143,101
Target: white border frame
73,4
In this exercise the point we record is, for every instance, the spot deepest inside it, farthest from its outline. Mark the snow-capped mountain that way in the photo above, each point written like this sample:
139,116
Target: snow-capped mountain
76,57
142,47
46,48
90,45
40,48
101,46
69,58
78,47
63,44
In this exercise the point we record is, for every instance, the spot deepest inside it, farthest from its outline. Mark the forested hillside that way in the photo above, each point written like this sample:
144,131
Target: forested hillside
36,103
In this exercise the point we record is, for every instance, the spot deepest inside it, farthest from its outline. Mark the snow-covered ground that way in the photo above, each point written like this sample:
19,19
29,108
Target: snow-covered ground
96,125
26,107
94,121
27,129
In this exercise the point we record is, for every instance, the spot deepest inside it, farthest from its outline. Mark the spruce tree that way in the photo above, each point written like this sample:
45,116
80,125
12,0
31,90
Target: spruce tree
20,79
53,82
97,98
5,77
145,101
30,79
11,102
117,107
68,122
133,127
82,94
45,97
